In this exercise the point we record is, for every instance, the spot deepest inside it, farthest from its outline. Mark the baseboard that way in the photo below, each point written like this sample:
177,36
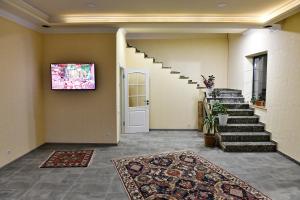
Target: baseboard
288,157
83,144
173,129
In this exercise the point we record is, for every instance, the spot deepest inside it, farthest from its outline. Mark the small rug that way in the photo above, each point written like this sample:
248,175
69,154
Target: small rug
64,159
181,176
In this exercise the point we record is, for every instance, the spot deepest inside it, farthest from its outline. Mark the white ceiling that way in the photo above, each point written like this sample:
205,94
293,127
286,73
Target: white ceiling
206,7
218,16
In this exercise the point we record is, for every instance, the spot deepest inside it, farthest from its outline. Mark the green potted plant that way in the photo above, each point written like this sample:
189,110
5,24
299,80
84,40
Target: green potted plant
253,100
210,130
221,111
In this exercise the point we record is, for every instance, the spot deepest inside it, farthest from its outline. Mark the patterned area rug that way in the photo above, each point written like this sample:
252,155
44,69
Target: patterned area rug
61,159
181,176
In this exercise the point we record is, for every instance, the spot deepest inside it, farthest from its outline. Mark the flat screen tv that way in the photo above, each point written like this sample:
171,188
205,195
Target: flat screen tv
73,76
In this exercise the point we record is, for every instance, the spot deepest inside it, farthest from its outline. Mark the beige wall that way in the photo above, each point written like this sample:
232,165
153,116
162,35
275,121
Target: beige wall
82,116
21,102
173,102
283,79
205,54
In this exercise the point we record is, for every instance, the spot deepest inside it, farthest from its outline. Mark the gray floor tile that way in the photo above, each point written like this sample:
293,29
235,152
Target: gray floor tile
271,173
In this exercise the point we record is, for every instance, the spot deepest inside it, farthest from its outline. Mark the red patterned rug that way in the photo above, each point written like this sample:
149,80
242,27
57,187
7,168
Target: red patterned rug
62,159
181,176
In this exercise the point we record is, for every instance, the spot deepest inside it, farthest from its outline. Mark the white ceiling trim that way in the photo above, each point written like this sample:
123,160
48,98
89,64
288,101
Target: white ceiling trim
21,21
284,10
29,10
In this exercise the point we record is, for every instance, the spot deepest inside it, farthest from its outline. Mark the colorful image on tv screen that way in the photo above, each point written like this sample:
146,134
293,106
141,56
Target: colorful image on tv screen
73,76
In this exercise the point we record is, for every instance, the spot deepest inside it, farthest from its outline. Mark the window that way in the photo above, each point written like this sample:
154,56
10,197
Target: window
259,88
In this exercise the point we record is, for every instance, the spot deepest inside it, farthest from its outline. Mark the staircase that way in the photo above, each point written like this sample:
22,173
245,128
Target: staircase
173,72
244,132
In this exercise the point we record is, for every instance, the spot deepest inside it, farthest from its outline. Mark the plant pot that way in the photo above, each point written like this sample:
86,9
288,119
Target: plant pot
209,140
223,119
260,103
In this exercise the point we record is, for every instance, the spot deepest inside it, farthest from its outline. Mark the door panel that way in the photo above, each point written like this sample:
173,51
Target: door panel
136,100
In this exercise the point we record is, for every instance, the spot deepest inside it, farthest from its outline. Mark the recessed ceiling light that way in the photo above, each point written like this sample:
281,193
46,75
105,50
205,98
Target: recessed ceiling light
222,4
91,5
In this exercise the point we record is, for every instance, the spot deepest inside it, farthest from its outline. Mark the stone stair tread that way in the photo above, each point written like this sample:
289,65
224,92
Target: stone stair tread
248,143
244,133
235,103
244,125
211,98
239,109
241,117
228,89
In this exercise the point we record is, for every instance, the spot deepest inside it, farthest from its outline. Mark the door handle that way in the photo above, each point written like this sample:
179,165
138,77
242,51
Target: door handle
147,102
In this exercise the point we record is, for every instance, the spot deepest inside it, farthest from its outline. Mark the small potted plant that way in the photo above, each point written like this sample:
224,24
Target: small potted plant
221,111
210,127
215,93
209,83
260,101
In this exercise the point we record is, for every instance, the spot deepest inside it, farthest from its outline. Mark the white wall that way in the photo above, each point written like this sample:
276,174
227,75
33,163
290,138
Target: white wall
173,102
283,81
204,54
121,62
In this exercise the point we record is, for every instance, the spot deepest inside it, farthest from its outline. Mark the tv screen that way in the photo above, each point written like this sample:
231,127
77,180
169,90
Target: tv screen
73,76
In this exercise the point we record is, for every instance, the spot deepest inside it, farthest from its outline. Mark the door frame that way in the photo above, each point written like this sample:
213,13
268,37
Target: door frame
125,96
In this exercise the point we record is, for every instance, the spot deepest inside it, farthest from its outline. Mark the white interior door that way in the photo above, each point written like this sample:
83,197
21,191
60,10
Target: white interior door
136,100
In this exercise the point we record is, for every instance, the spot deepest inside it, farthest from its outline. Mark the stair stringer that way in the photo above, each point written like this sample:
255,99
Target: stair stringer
173,102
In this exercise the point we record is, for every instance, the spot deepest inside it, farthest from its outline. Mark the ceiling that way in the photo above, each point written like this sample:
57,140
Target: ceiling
137,15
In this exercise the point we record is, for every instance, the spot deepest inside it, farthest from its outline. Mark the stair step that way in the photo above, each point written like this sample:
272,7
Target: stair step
242,128
164,66
174,72
228,90
192,82
236,105
228,99
230,95
242,119
183,77
244,137
240,112
248,146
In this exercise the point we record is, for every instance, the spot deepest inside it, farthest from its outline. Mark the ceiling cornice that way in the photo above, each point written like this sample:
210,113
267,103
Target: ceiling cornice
283,11
21,21
38,17
29,10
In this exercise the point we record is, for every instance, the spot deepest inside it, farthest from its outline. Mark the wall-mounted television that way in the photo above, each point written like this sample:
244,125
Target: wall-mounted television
73,76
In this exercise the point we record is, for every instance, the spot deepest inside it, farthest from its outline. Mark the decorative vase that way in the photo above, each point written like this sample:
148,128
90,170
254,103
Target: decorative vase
223,119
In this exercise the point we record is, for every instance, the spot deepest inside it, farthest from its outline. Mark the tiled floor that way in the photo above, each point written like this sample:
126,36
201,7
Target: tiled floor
270,173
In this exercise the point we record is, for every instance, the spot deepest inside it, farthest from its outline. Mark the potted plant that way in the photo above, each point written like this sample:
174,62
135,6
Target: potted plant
260,101
221,111
209,83
210,127
215,93
253,100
